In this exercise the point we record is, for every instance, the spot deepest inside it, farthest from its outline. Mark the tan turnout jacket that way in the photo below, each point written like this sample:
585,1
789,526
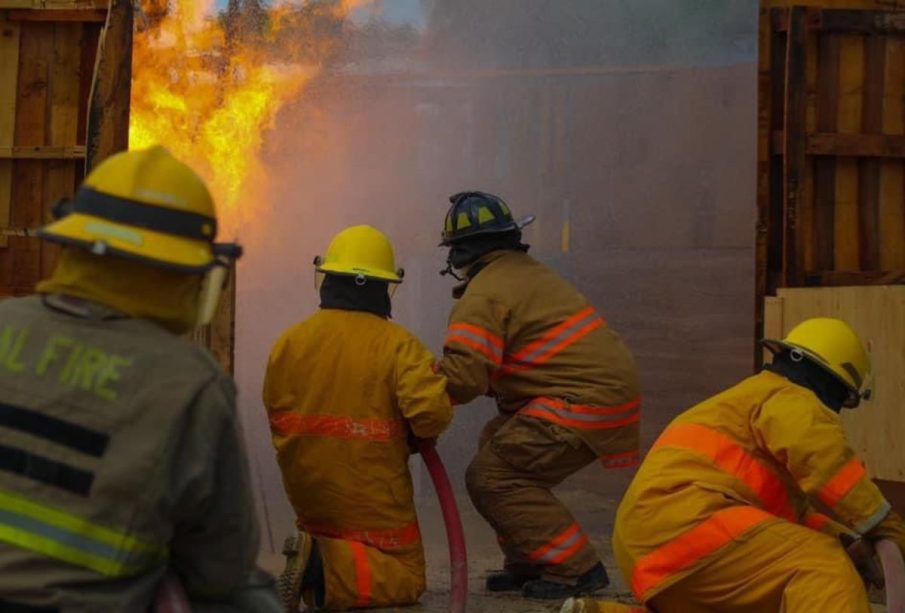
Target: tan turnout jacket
524,335
119,455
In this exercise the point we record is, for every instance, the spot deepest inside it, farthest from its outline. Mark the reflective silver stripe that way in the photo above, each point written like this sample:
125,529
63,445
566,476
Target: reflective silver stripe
585,417
871,522
130,560
564,334
550,556
496,351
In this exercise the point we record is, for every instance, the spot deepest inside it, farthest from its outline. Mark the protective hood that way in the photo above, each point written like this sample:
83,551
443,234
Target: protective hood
166,297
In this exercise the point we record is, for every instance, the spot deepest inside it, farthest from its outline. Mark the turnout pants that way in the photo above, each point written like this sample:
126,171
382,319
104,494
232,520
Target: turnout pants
783,568
520,460
360,576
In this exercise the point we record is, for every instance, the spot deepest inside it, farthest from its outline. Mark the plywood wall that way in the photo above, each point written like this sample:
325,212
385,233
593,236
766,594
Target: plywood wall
877,313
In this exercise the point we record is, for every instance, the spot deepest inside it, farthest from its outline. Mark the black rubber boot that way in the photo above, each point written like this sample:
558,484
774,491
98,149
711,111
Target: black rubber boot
509,580
590,582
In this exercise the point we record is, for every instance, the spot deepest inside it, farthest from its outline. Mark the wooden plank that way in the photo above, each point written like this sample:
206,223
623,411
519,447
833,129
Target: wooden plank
833,144
843,278
860,22
108,105
794,156
856,145
892,173
764,154
776,276
851,99
54,5
63,119
79,15
36,56
45,152
878,315
219,337
825,169
773,324
807,214
9,75
869,181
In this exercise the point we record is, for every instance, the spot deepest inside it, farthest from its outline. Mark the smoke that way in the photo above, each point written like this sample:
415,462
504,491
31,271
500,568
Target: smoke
626,126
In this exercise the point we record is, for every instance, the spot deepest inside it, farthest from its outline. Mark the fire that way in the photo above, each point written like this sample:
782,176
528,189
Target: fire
209,87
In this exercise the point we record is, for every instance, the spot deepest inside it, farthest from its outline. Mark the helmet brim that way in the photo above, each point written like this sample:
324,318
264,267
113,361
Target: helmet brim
106,237
347,271
777,347
515,225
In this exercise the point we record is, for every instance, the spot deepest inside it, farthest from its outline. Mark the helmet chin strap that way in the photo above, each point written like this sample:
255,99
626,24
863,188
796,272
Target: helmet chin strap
449,270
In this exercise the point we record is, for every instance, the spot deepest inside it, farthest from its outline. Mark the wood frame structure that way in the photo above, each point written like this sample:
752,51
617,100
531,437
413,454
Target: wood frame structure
831,151
65,84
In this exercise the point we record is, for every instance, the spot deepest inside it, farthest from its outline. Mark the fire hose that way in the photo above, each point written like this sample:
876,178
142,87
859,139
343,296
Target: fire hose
455,536
171,597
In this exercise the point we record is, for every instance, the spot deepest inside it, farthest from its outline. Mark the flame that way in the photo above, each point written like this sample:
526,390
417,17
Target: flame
209,87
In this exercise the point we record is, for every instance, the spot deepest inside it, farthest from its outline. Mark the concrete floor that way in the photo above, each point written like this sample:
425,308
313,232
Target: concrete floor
593,510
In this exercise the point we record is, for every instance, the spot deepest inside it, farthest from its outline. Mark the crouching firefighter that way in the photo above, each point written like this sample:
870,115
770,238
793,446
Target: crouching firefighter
347,392
721,515
120,459
565,386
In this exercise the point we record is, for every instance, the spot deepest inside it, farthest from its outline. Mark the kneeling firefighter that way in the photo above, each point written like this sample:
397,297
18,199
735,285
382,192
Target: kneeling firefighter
347,392
720,514
120,459
565,386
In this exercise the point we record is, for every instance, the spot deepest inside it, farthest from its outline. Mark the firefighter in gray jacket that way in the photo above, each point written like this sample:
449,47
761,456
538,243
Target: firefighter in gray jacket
120,458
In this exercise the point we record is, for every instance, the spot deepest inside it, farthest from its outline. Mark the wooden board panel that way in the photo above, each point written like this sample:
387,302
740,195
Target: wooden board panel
63,122
851,96
9,75
877,313
36,56
892,173
108,102
836,210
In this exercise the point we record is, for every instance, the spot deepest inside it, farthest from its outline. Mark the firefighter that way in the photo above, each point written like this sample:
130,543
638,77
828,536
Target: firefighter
120,458
346,391
563,381
721,515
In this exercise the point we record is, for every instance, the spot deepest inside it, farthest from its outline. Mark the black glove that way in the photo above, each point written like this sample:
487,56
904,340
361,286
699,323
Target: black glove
864,557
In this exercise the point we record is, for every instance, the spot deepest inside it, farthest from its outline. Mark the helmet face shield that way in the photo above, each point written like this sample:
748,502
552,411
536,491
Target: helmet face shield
215,281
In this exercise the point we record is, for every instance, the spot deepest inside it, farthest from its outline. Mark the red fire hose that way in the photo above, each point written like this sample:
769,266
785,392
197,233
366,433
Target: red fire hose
455,536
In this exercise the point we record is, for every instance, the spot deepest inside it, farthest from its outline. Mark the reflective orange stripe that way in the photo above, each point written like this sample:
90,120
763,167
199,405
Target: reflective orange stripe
584,417
478,339
555,340
628,459
561,548
815,521
842,482
386,539
732,458
362,574
696,544
329,426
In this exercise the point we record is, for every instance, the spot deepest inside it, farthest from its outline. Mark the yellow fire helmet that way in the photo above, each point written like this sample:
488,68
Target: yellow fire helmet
362,252
148,206
145,205
832,344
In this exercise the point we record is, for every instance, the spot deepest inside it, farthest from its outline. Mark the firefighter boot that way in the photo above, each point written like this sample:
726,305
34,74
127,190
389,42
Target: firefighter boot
510,579
593,580
297,549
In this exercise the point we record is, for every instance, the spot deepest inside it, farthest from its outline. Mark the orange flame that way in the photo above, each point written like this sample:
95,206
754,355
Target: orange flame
209,88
